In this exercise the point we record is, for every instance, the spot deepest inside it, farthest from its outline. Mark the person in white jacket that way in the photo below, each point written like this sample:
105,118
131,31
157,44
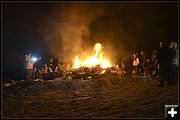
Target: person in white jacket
29,66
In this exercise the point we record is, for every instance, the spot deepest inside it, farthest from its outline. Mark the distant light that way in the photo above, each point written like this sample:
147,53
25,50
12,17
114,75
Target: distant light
34,59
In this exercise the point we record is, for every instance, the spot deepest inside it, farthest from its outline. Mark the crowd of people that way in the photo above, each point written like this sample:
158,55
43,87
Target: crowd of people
163,62
38,69
140,63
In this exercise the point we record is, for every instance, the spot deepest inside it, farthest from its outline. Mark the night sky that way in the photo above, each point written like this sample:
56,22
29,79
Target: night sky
131,25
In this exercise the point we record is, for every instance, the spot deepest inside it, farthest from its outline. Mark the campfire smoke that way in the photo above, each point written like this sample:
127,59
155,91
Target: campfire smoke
69,30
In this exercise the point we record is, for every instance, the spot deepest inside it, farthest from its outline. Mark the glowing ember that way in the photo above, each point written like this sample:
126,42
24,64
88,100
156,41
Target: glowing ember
96,59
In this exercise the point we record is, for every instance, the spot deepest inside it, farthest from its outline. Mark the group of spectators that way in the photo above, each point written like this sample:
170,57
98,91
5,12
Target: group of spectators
140,63
38,69
163,62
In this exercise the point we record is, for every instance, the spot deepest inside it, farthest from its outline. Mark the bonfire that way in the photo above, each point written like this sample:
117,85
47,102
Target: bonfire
94,65
97,58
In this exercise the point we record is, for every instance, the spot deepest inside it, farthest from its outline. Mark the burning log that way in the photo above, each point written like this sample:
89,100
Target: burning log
85,72
95,72
76,75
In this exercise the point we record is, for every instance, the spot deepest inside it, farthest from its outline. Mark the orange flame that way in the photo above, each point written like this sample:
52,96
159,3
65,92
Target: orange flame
96,59
76,65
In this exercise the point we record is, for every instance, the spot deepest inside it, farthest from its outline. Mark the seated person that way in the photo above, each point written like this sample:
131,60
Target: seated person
45,72
59,70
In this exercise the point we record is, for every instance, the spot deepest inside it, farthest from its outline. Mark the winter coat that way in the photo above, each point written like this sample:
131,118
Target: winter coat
29,64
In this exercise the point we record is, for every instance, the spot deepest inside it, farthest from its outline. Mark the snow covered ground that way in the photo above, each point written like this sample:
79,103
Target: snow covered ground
132,97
